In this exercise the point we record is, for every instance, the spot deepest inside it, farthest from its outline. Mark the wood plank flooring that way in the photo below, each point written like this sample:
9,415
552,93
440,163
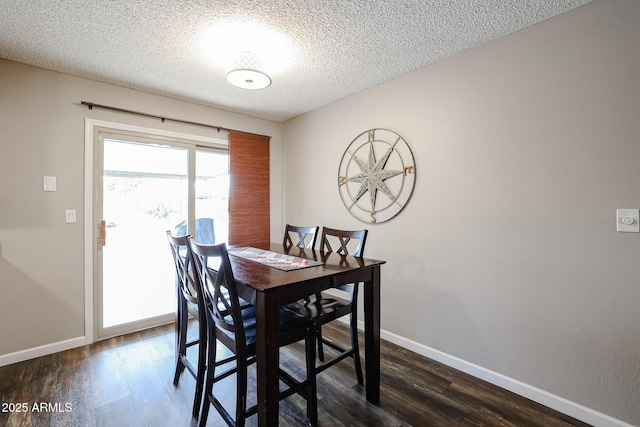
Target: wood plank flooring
127,381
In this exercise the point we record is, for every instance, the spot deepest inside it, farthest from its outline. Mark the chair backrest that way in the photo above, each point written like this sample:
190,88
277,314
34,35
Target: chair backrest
188,281
346,242
305,236
220,292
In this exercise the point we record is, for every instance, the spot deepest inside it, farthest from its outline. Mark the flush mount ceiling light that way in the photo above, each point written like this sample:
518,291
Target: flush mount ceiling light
247,51
247,78
245,71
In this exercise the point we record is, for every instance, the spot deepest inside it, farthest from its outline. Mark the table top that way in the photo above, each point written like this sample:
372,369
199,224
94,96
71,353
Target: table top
263,278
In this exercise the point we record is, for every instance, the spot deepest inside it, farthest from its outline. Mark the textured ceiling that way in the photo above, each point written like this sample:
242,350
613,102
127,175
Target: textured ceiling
337,47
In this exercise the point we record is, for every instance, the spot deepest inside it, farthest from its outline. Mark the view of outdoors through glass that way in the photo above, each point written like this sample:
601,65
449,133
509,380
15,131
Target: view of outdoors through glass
145,193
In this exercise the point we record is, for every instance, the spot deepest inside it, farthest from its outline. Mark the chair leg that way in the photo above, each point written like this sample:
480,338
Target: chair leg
320,346
312,395
181,341
355,345
241,391
202,367
210,376
318,332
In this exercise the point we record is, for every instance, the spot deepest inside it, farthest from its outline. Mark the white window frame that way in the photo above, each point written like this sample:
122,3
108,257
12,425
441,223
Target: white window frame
91,126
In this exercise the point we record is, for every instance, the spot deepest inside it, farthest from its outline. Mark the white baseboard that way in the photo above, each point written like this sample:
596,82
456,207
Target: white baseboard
552,401
43,350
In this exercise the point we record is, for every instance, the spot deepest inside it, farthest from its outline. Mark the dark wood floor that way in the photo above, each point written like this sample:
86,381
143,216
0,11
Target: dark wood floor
127,381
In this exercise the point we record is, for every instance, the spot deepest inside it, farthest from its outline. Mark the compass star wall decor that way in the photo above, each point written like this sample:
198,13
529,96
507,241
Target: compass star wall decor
377,175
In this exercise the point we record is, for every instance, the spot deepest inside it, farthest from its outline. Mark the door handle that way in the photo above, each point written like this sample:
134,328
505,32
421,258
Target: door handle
103,233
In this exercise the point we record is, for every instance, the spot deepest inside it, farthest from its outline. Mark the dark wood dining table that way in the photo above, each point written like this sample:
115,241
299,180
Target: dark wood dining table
269,288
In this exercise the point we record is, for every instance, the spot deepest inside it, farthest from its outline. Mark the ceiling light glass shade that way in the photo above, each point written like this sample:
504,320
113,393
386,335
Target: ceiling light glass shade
247,78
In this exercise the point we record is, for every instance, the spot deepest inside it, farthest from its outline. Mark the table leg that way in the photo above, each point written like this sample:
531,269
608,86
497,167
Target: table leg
268,355
372,336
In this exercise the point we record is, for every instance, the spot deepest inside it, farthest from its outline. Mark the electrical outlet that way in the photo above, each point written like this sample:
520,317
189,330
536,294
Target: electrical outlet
70,216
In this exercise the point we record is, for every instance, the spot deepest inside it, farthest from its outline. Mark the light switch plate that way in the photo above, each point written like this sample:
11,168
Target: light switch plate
628,220
49,183
70,216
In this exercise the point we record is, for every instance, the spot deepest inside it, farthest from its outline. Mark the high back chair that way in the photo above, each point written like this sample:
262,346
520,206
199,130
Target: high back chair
326,307
190,302
305,237
235,328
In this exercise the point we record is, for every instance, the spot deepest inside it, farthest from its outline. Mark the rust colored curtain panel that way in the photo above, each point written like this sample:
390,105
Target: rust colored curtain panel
249,221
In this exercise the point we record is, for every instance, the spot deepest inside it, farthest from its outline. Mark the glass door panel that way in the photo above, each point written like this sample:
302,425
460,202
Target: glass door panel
144,193
212,196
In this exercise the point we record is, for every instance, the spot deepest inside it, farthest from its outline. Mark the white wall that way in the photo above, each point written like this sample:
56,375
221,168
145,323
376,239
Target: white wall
42,133
507,257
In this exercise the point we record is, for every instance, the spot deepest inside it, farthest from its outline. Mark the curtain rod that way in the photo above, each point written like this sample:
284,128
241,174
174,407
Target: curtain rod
163,118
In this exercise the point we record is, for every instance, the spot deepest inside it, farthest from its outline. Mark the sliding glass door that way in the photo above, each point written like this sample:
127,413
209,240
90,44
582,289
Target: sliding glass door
148,187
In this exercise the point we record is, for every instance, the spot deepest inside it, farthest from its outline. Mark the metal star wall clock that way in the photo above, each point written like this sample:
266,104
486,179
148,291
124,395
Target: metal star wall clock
377,175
